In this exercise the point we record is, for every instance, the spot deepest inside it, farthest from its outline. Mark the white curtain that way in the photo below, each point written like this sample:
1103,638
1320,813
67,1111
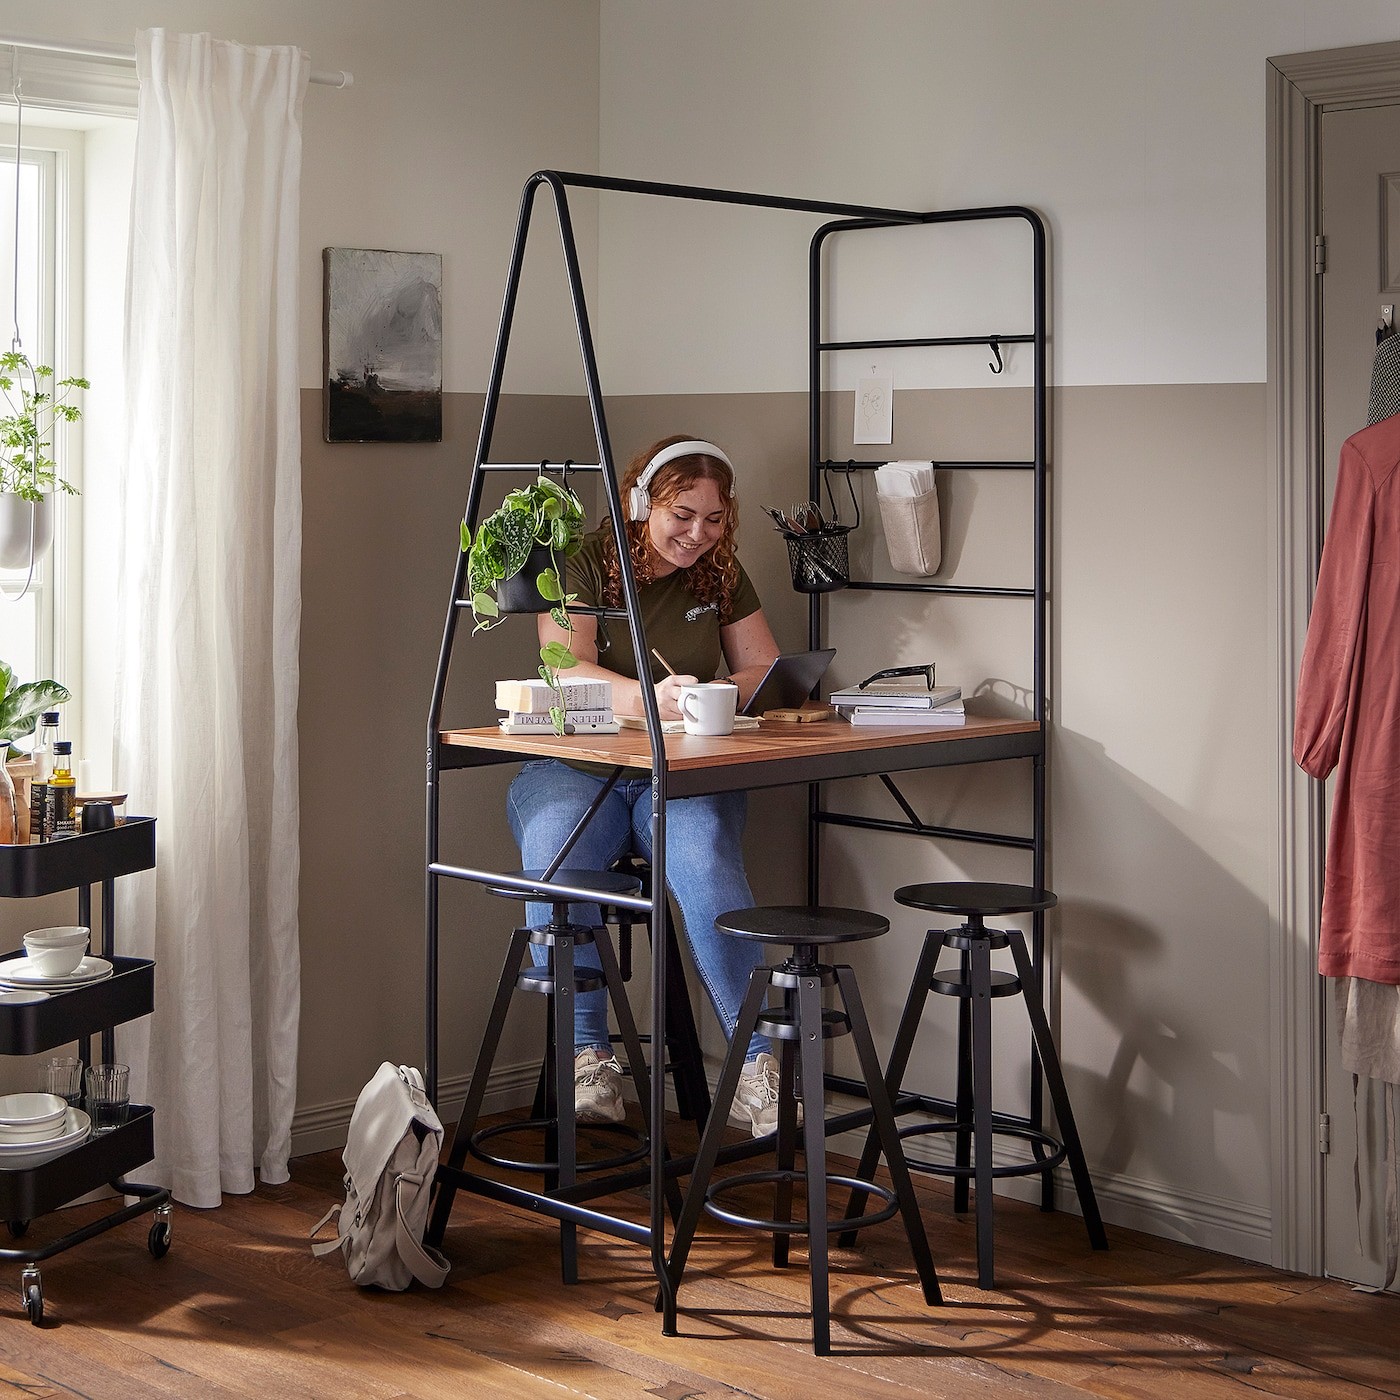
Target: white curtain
210,605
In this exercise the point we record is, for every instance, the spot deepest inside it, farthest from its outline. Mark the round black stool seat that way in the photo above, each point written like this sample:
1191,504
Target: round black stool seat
599,884
802,923
975,897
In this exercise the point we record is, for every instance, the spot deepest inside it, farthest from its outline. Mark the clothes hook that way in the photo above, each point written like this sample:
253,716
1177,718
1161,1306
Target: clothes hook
996,366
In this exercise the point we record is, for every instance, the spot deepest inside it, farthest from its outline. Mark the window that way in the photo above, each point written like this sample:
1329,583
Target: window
75,194
35,289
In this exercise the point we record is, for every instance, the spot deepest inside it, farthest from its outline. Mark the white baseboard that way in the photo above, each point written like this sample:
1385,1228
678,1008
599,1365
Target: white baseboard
324,1128
1209,1222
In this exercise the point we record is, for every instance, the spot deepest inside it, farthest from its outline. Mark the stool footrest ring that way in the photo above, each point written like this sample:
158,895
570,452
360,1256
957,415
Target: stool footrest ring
778,1023
543,980
797,1227
520,1164
1031,1135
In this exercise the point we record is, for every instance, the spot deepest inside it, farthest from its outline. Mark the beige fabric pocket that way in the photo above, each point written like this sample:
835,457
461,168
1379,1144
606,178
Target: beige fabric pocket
912,534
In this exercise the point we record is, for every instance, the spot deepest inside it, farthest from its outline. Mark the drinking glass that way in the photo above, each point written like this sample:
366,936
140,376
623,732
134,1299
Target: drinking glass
107,1096
64,1077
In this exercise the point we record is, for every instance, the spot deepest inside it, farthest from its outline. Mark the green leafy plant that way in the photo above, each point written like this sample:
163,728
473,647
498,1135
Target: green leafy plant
543,515
21,705
27,426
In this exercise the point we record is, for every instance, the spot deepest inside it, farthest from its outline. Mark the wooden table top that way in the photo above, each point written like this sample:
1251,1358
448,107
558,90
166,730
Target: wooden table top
772,754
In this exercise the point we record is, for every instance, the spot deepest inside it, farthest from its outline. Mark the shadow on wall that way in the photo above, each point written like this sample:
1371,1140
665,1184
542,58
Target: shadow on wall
1162,986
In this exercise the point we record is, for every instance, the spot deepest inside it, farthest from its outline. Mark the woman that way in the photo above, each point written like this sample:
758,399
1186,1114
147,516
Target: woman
702,614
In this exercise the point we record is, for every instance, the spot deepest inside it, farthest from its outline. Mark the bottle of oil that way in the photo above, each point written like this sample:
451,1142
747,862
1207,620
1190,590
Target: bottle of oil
63,792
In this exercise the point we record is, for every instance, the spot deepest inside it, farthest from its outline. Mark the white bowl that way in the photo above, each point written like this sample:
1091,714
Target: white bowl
23,1155
15,1136
63,937
54,962
22,1113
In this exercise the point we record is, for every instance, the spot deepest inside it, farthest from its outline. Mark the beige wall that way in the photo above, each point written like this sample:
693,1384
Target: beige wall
376,578
1165,750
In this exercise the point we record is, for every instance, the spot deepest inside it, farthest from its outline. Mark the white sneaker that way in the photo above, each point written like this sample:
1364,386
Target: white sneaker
756,1099
598,1087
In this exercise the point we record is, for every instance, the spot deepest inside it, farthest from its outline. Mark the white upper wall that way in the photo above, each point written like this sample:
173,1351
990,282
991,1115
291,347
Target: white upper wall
454,104
1135,127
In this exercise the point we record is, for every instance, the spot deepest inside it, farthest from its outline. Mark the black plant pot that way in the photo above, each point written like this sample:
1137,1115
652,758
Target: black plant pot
520,593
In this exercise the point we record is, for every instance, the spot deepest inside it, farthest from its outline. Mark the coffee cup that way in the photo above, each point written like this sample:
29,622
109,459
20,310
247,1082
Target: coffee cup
708,708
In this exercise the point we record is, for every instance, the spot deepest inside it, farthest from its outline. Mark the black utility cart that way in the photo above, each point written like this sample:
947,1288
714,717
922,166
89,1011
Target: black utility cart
80,1014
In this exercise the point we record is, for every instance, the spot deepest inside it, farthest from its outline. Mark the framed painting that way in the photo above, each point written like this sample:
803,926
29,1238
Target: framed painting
383,346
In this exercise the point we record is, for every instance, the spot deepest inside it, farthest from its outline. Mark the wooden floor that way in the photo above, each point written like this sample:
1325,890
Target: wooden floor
239,1308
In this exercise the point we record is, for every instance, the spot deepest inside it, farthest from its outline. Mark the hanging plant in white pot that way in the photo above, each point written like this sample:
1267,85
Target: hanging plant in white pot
28,480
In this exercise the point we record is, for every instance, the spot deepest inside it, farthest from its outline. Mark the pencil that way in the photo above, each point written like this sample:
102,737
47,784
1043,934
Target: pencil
670,670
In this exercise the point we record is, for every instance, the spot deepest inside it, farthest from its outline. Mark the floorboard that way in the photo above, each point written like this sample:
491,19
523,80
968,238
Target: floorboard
239,1308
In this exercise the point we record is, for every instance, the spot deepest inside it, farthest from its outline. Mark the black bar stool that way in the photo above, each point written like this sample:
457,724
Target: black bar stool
559,980
976,984
800,1026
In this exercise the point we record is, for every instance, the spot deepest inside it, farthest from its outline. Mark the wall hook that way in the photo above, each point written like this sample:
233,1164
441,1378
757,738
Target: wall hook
996,366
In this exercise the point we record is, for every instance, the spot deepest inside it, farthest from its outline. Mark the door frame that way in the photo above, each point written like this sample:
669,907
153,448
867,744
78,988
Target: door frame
1301,87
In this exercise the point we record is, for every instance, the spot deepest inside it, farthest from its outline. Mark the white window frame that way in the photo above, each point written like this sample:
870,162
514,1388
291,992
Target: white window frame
57,585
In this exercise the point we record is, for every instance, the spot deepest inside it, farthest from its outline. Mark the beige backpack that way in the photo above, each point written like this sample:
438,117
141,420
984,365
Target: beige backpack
390,1159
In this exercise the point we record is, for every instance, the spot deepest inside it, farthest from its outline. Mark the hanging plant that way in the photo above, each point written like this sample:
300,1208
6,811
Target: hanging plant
27,466
545,521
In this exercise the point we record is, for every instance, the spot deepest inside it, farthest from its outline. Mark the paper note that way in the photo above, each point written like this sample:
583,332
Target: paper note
874,409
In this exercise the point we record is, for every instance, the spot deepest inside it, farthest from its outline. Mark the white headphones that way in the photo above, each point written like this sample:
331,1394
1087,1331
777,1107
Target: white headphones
639,502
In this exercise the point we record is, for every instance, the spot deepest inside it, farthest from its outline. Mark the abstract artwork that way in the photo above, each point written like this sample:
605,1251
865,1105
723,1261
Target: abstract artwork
383,346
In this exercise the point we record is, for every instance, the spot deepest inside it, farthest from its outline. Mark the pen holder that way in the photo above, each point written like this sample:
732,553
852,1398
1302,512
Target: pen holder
819,560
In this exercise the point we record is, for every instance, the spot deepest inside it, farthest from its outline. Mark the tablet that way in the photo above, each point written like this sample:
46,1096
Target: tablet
789,681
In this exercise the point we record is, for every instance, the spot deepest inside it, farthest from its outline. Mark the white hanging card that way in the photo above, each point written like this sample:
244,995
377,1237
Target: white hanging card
874,409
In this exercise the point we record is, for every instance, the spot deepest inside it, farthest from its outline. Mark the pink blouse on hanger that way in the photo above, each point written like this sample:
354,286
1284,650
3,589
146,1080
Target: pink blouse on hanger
1348,715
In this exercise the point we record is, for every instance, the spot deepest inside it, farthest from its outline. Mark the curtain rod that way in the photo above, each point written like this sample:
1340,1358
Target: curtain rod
332,77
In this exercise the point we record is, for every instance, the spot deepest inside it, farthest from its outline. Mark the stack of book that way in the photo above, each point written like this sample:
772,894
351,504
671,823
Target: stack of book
587,707
908,706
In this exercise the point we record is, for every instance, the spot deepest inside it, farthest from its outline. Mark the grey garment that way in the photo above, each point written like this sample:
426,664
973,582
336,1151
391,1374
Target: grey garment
1369,1016
1385,380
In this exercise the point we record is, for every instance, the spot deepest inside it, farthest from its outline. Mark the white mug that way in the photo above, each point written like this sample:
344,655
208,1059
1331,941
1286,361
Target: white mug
708,708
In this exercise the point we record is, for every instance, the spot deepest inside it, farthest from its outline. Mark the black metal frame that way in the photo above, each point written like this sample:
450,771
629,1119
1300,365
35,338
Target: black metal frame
1037,594
438,756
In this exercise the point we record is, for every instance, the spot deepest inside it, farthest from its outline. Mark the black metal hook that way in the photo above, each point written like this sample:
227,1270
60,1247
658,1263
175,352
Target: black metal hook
997,366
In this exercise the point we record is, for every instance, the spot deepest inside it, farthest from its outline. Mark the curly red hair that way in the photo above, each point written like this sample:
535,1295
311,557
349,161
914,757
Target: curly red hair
714,577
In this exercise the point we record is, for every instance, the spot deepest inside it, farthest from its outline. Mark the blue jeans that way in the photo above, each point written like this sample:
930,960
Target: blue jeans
704,874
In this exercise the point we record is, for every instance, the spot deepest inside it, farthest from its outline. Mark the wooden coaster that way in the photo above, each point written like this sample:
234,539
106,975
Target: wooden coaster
807,714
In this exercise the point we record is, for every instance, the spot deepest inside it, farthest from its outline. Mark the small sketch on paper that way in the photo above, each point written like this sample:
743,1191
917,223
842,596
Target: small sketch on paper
874,409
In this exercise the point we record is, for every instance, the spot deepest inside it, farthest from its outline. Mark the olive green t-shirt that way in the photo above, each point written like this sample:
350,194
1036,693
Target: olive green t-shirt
684,630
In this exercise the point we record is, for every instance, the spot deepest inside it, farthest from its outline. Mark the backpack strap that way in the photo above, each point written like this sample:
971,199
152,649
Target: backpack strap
325,1246
425,1263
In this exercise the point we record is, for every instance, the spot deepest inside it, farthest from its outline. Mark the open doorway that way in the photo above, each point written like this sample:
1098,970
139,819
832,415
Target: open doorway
1302,90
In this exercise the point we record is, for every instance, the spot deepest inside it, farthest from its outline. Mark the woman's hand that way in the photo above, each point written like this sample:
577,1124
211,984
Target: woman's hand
668,695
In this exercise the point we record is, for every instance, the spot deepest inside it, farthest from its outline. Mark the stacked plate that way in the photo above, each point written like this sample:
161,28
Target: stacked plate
20,972
34,1128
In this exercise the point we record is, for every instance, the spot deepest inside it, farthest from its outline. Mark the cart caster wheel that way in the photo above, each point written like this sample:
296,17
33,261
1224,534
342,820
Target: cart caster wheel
158,1241
31,1291
18,1228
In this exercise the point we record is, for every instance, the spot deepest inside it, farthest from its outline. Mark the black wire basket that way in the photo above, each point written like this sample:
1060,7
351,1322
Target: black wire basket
819,560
